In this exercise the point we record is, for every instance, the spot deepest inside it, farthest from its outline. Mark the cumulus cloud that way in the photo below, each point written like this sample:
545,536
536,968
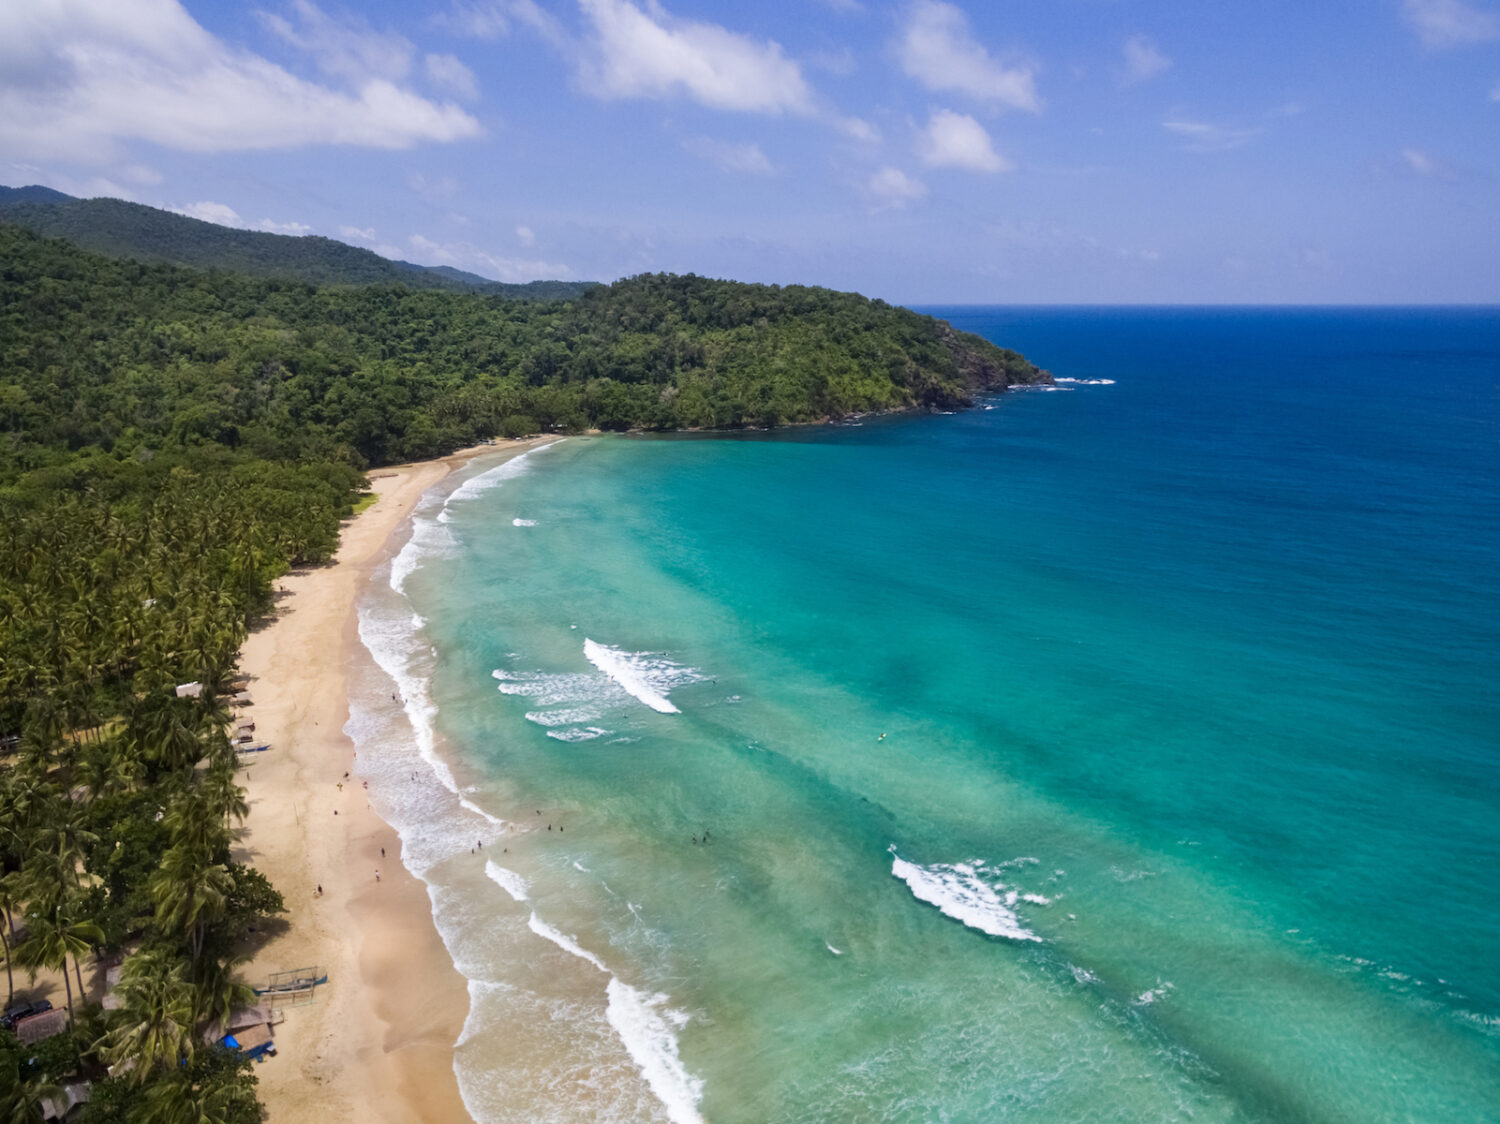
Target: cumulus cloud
648,53
357,233
80,77
446,72
891,187
462,255
937,49
737,158
954,140
525,235
1143,60
1451,23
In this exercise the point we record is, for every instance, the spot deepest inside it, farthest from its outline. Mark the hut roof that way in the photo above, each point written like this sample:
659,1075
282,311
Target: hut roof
73,1093
239,1018
45,1025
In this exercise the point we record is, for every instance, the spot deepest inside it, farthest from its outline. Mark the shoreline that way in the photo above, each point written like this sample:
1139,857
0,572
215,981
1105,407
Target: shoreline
377,1042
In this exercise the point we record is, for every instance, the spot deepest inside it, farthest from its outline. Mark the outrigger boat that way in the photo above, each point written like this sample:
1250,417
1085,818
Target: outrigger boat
301,983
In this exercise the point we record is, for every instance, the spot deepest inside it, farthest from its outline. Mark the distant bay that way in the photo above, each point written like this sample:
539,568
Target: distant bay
1126,750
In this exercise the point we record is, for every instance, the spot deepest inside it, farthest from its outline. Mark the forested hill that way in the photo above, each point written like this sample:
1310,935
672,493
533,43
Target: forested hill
121,356
130,230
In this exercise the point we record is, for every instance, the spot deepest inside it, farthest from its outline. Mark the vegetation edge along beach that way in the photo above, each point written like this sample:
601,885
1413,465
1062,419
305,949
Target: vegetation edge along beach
175,442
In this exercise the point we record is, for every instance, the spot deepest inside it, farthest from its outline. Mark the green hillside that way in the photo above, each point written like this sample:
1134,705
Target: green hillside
121,356
130,230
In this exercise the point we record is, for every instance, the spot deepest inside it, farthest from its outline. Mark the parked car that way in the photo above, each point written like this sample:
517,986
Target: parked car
18,1011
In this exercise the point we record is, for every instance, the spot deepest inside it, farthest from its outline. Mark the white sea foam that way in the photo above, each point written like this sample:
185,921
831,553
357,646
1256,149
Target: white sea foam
648,1032
523,522
562,717
393,647
579,734
628,670
646,1027
490,478
835,951
1146,998
564,942
429,538
570,702
959,891
508,880
1087,382
1036,899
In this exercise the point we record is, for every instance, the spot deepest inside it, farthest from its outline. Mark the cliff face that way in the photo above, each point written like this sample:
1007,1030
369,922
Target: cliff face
983,366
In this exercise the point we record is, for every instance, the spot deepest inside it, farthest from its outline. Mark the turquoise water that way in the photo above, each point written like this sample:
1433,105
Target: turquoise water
1121,752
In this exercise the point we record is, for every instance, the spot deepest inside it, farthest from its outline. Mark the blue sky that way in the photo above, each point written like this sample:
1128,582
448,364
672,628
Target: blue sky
1024,151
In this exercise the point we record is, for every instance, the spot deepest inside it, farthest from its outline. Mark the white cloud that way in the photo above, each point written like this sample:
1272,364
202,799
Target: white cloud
1427,166
857,128
446,72
741,158
526,235
221,213
438,189
357,233
937,50
462,255
649,53
1451,23
891,187
492,19
296,229
348,48
1143,60
79,77
953,140
1207,136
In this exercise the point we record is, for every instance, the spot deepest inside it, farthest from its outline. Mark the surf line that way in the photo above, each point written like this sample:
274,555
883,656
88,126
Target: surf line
647,1029
617,666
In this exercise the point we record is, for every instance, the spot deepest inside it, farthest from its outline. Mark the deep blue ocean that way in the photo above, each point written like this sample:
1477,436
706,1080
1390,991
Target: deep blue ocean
1127,750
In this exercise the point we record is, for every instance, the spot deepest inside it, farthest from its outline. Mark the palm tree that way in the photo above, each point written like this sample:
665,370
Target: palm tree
190,893
178,1100
50,937
223,796
195,824
155,1022
10,904
218,991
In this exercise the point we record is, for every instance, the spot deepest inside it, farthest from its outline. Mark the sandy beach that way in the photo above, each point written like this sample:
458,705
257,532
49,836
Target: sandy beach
377,1041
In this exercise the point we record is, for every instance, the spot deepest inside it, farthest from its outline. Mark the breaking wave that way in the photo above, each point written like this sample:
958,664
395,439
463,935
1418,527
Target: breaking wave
961,891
